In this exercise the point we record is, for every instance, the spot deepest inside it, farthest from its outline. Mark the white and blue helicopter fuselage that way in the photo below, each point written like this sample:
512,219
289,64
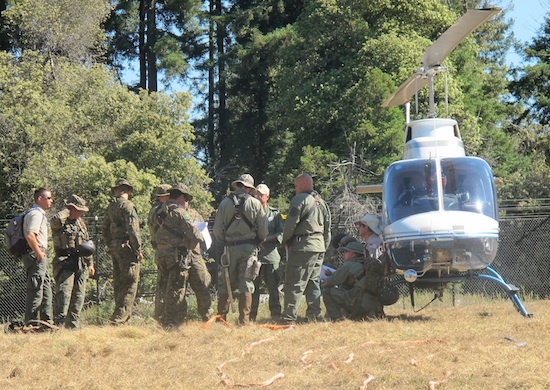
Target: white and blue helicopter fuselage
440,207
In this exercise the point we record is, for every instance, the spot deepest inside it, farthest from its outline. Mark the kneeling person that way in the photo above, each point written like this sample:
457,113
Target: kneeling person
349,291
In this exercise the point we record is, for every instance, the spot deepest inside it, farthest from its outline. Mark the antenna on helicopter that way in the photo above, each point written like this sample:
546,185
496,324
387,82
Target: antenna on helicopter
434,57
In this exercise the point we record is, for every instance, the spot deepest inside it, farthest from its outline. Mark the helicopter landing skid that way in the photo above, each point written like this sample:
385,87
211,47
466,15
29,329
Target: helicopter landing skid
493,276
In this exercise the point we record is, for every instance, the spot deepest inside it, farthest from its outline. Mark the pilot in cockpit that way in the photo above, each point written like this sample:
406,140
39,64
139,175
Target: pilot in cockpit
424,189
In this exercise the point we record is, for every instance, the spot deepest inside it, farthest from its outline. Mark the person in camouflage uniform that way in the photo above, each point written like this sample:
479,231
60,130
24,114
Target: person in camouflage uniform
306,237
161,196
35,261
199,276
70,270
122,236
270,257
178,245
353,289
240,225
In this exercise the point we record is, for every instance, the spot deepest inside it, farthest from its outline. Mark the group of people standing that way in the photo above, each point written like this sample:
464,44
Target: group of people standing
177,254
73,260
249,230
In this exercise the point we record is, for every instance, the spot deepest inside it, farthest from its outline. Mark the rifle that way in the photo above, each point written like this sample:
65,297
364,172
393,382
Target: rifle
225,261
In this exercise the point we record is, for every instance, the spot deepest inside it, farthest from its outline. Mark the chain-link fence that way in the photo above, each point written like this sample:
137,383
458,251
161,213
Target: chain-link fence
522,260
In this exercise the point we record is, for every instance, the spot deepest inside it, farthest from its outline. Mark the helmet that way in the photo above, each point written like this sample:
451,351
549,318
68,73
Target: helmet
87,248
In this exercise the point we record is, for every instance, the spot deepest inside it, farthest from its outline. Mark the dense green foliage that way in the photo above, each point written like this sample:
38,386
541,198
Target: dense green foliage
80,130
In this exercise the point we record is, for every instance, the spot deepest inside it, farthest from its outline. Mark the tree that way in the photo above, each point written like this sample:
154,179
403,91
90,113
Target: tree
161,34
5,44
334,69
81,131
531,85
68,28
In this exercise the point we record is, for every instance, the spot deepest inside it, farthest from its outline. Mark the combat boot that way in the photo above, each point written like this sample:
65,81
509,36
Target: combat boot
223,306
245,303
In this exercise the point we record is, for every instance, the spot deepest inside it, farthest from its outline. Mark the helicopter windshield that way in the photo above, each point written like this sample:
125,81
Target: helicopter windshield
458,183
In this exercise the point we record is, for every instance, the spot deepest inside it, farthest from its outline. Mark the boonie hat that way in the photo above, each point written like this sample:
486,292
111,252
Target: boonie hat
77,202
354,246
372,221
122,182
163,190
262,189
182,188
246,180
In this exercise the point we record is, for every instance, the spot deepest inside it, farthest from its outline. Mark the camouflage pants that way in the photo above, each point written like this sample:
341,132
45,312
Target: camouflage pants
70,291
126,269
39,289
199,280
302,277
172,283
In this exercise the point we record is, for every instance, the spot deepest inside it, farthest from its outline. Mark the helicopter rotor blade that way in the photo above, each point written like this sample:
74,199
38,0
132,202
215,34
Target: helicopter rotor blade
439,50
450,39
405,91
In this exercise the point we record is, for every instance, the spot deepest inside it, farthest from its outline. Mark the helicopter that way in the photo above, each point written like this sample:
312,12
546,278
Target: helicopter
439,206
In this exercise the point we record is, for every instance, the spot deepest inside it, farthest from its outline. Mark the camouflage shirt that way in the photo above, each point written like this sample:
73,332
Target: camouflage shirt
176,228
358,274
152,221
68,234
121,224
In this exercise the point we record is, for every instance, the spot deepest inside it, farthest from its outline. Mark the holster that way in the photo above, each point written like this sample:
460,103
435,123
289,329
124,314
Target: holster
253,266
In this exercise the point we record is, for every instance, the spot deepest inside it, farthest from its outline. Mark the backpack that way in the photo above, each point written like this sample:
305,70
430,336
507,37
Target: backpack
377,282
14,236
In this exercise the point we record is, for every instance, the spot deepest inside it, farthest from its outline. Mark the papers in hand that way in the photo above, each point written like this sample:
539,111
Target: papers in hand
326,271
203,228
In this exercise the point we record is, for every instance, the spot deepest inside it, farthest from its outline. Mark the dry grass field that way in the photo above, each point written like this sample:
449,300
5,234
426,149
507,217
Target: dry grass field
484,345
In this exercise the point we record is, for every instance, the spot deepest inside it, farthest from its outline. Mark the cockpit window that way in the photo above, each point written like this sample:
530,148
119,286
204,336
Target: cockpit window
461,184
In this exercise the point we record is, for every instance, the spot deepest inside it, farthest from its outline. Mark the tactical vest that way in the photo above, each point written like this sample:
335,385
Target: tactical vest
71,235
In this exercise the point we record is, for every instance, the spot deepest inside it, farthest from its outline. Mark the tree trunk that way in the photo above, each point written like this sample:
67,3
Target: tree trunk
211,136
151,41
223,120
4,38
142,47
